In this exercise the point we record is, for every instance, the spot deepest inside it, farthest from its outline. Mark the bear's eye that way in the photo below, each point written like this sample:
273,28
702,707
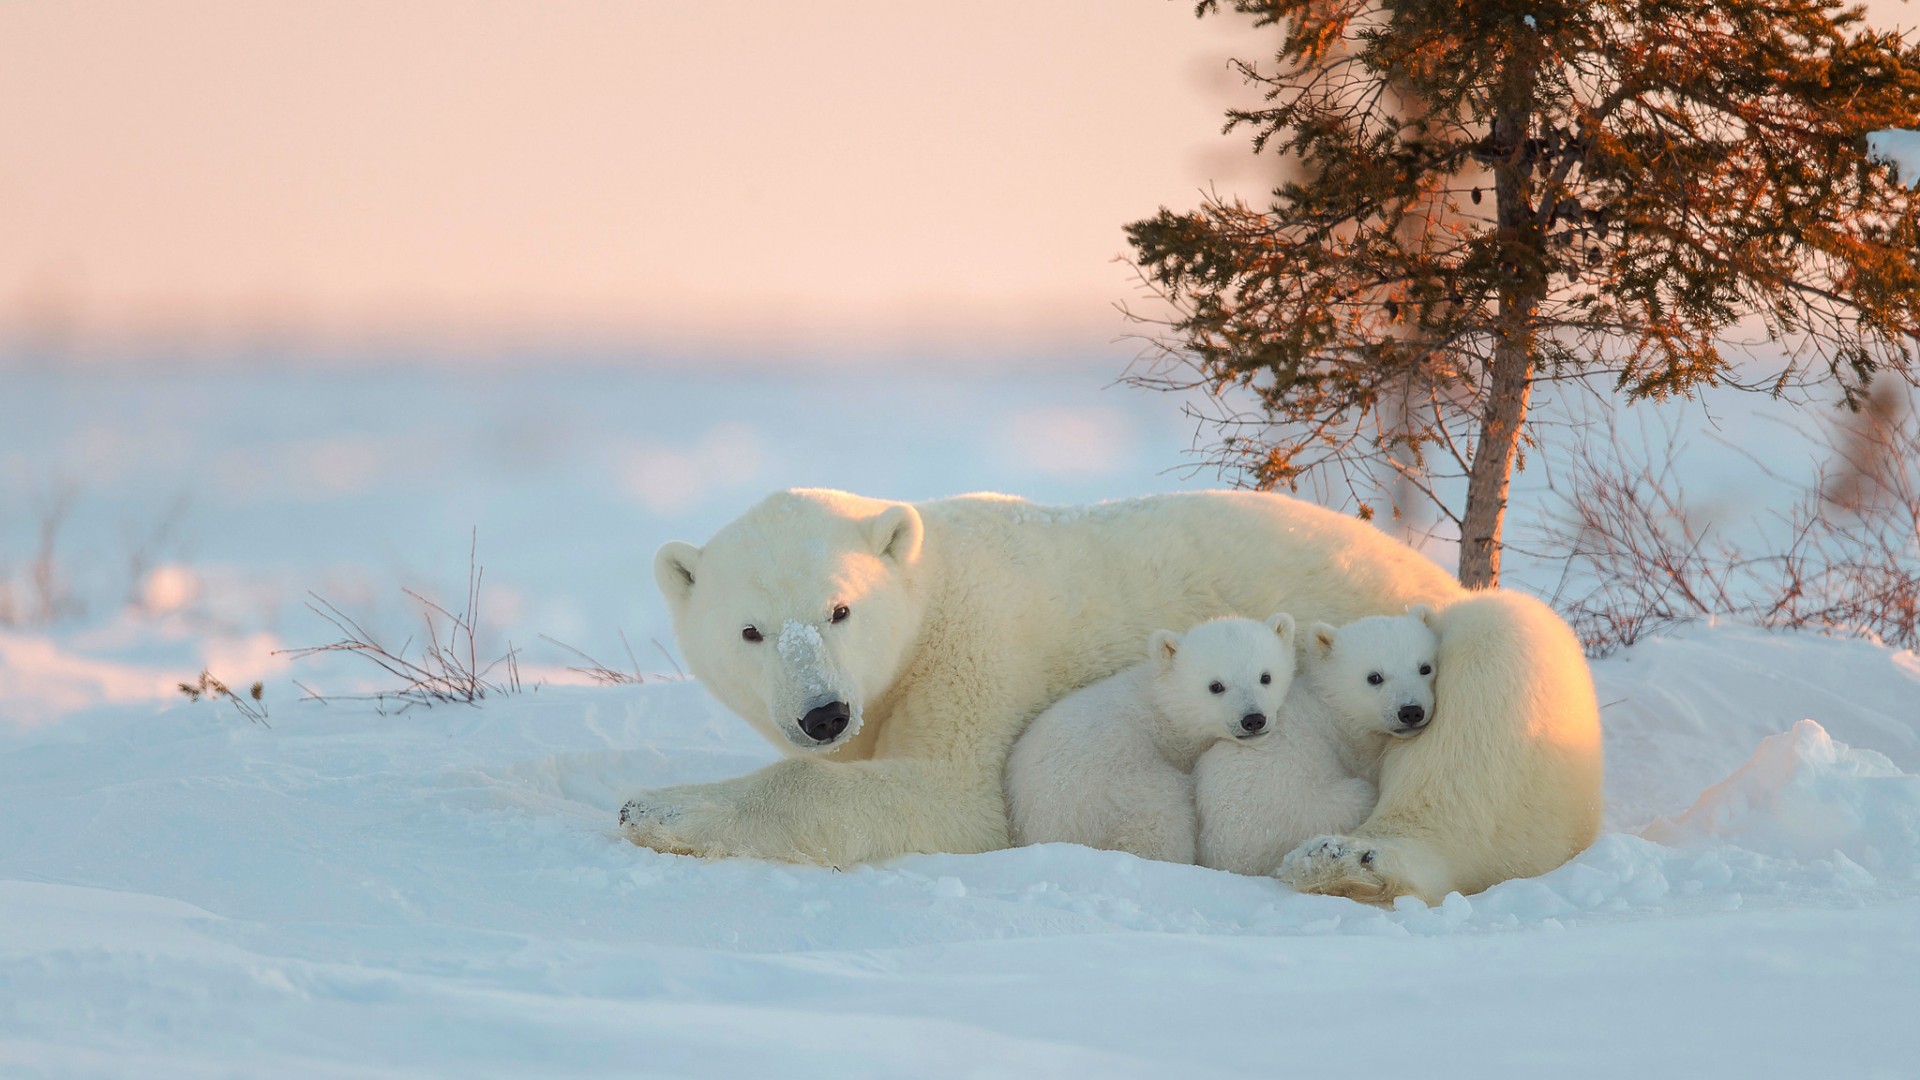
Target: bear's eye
1426,669
1215,687
1374,679
1265,679
752,633
840,613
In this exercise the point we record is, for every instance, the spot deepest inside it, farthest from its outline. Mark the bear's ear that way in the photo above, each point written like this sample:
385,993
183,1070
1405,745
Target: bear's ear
1425,615
673,567
896,534
1323,640
1281,623
1162,647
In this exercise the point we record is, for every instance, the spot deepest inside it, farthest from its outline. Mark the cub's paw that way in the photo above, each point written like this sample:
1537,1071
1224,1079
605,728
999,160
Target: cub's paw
1337,866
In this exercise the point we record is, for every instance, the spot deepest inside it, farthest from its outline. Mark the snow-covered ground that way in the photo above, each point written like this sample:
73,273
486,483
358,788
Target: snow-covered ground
441,892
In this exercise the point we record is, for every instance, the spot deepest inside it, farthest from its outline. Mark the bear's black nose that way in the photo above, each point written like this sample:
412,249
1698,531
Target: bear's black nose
825,722
1412,716
1252,722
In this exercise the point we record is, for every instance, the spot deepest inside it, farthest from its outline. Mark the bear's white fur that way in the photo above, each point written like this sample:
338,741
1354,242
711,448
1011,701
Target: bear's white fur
1377,677
1110,766
1365,684
1505,782
968,616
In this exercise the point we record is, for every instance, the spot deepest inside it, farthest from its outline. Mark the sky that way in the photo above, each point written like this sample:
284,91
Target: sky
836,172
839,174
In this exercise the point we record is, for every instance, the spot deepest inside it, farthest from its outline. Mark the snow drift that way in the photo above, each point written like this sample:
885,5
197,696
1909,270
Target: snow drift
183,894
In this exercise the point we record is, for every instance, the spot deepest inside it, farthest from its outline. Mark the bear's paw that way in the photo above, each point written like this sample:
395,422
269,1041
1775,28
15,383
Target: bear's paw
1338,866
642,811
674,821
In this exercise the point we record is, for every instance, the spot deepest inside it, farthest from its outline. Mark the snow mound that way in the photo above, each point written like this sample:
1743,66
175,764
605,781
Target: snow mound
1805,797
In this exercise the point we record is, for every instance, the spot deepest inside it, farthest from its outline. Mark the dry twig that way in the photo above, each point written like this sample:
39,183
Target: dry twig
1641,560
448,670
599,672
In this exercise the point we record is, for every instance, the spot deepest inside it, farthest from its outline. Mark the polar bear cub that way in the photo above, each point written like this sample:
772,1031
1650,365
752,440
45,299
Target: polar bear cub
1316,768
1110,766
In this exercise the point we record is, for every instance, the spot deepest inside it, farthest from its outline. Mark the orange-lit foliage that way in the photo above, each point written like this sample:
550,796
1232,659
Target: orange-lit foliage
1503,193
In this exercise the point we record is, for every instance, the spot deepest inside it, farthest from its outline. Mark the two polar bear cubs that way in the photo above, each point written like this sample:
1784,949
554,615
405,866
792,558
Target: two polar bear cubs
1213,751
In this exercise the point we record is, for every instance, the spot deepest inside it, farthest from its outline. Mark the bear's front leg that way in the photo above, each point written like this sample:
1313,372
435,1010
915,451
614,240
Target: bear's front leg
1372,870
688,819
827,812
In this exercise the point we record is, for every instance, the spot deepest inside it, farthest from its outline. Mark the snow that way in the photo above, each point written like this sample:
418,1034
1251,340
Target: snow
443,892
1901,149
186,894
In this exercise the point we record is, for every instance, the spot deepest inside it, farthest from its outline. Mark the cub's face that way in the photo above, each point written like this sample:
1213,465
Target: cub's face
799,614
1377,672
1223,679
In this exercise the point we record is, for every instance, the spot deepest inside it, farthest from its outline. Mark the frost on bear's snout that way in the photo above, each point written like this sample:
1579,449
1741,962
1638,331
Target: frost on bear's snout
802,650
809,696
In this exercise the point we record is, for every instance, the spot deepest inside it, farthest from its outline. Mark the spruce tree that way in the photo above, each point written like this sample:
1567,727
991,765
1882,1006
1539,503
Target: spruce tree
1498,194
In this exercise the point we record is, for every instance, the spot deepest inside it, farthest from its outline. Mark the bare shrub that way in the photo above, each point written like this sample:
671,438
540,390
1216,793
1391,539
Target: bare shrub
448,669
609,676
52,596
1844,558
44,595
1858,566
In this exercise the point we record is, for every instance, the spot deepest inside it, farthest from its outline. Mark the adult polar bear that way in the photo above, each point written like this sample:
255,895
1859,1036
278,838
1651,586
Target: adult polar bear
897,650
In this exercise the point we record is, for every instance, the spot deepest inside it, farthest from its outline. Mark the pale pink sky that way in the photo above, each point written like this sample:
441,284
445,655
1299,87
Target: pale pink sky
816,174
812,173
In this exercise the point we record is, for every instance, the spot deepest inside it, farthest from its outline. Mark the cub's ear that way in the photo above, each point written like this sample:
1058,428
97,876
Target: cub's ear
1281,623
1425,614
673,567
896,534
1162,647
1323,640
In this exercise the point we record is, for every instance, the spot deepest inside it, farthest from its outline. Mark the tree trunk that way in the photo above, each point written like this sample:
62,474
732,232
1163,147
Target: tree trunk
1510,371
1510,385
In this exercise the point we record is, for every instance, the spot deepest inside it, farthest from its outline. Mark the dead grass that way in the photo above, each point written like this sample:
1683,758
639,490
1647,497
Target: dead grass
610,676
252,705
447,668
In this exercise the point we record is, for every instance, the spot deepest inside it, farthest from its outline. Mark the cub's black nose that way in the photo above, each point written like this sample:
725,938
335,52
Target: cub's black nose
1412,716
1252,722
826,721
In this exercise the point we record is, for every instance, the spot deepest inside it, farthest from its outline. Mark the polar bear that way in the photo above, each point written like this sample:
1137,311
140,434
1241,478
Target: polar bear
1520,773
895,651
1376,678
1111,766
1365,684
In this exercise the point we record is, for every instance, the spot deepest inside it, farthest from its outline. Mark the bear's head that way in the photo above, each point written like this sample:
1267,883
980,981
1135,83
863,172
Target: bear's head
1377,672
801,612
1223,679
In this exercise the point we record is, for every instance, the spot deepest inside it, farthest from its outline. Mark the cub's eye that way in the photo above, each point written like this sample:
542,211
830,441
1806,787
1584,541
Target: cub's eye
1216,688
1426,669
1265,679
1374,679
840,613
752,633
